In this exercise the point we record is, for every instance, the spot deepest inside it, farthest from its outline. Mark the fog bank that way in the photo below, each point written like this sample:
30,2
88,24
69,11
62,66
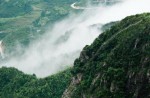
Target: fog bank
59,47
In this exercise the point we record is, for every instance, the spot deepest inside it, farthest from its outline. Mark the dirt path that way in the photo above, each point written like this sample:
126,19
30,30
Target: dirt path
88,8
80,8
113,36
36,8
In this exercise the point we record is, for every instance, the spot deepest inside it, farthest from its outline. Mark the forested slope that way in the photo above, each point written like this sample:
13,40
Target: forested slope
16,84
117,64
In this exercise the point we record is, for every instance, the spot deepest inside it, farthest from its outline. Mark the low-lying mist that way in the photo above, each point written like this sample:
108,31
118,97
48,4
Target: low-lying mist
58,48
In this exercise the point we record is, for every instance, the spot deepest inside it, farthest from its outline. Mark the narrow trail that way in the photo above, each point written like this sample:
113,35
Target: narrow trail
89,8
110,39
81,8
36,8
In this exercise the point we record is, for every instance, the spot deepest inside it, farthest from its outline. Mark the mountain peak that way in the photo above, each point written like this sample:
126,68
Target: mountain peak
116,64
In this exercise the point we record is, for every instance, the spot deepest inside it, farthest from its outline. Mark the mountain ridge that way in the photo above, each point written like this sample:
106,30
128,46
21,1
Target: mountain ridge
116,64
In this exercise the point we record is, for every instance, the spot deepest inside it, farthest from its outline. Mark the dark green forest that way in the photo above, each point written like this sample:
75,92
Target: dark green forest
16,84
116,64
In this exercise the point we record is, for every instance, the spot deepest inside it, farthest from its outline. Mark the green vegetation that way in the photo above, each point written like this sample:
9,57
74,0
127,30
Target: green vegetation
117,64
13,8
15,84
28,19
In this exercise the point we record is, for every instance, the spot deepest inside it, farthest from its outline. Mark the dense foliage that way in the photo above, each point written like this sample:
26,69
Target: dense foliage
15,84
117,64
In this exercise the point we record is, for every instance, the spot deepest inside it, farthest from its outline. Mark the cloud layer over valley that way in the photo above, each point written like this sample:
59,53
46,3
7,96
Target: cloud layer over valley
59,47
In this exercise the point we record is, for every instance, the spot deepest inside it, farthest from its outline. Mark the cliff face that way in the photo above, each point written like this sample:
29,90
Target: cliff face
117,64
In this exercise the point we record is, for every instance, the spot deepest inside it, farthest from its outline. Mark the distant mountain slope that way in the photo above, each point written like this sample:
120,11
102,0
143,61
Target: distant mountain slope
13,8
15,84
22,21
117,64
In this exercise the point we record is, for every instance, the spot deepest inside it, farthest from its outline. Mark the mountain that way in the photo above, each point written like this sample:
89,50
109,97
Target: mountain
16,84
116,64
22,21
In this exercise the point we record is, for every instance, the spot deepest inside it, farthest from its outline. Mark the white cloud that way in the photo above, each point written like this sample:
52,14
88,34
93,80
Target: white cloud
54,51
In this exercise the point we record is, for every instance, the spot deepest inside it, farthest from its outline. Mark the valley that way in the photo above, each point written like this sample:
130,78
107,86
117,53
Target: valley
74,49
